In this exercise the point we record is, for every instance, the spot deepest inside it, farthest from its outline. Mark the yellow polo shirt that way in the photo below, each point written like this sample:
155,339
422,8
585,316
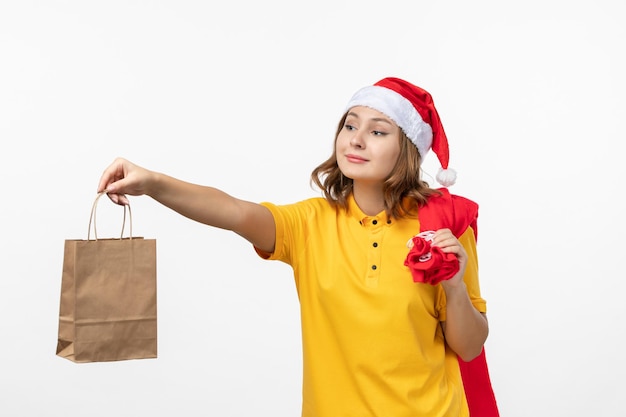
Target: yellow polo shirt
372,339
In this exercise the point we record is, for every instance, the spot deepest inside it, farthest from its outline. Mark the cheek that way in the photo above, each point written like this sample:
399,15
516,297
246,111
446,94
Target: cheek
342,144
342,140
340,150
391,157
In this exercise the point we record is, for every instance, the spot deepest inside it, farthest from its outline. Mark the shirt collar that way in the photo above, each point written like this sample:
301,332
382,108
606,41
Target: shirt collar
355,212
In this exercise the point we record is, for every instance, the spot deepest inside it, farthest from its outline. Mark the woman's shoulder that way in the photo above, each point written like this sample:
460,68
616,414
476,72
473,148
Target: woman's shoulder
306,207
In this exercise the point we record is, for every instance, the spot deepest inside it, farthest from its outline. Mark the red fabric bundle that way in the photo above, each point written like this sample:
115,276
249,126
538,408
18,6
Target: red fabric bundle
429,264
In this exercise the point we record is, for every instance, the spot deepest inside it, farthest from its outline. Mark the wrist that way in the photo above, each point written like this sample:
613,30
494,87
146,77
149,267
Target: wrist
152,183
454,288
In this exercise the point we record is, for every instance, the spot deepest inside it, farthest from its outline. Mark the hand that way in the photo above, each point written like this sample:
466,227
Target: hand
121,178
448,243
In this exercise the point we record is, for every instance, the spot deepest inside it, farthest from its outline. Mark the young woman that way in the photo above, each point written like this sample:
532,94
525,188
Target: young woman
375,341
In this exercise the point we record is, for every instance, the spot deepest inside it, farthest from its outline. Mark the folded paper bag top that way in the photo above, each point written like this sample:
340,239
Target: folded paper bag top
108,306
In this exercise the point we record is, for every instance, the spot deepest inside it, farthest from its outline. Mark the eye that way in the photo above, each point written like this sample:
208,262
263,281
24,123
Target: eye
379,133
348,126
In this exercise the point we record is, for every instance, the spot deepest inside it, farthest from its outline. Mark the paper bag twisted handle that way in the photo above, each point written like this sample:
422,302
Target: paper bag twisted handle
93,217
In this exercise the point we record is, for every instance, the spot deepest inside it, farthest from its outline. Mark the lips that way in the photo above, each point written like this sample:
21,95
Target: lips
355,158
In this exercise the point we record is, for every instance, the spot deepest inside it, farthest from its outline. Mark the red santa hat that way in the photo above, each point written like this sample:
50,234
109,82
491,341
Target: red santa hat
412,108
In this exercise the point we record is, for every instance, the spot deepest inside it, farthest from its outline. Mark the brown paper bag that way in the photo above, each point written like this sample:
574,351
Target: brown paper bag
108,309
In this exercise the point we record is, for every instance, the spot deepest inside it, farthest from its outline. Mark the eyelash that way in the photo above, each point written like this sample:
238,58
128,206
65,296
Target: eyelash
375,132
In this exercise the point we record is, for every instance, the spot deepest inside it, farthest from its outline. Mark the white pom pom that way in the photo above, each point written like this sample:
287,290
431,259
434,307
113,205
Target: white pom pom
446,177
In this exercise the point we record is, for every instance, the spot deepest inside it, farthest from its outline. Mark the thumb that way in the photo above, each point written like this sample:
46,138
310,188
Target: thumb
115,192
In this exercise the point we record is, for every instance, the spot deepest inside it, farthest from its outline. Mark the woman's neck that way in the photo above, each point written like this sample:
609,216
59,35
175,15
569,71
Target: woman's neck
369,198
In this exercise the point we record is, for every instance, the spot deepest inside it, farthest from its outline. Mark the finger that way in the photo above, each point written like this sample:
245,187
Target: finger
444,239
120,186
111,174
114,197
455,249
114,172
103,183
120,199
442,234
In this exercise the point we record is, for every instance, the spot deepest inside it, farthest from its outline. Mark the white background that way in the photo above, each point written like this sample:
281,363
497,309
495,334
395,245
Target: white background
245,96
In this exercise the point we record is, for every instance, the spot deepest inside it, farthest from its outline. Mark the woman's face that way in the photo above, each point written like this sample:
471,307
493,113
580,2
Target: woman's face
367,146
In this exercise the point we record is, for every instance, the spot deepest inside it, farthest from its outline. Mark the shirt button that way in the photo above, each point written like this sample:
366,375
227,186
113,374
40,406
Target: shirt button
375,222
374,267
375,244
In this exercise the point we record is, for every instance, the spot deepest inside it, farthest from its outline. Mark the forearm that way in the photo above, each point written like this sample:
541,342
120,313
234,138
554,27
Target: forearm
216,208
465,328
200,203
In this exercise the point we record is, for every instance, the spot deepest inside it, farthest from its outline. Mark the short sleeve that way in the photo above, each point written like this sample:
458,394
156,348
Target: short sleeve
279,221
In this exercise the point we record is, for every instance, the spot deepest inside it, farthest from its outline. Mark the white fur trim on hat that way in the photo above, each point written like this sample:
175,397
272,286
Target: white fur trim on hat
446,177
398,109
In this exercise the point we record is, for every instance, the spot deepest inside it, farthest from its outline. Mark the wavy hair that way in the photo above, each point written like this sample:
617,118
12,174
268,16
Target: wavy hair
404,190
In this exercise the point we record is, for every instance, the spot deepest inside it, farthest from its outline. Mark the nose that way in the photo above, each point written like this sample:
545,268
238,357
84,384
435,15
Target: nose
356,140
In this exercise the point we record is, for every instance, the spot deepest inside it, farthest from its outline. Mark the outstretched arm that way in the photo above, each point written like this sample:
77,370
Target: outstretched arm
200,203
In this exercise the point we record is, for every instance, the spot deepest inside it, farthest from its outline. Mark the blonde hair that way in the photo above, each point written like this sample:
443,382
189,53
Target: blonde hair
404,190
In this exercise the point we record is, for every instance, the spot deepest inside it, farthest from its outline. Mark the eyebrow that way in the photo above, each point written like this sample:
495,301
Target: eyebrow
374,119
